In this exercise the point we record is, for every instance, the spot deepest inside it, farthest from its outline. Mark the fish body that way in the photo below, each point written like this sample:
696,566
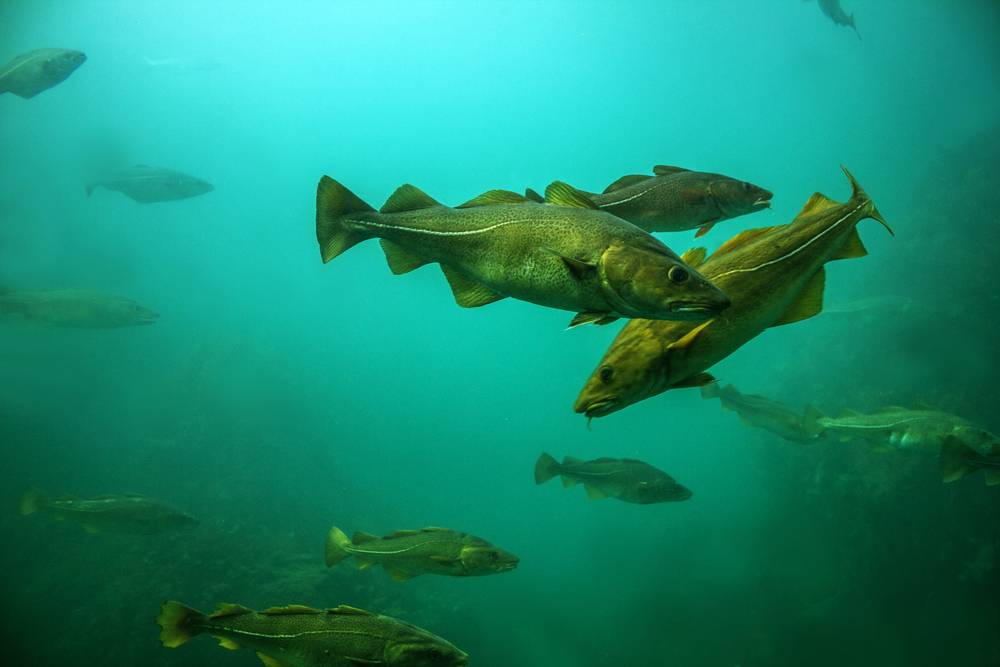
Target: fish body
298,636
836,13
409,553
963,446
774,276
148,185
767,414
564,254
119,513
629,480
78,309
36,71
674,199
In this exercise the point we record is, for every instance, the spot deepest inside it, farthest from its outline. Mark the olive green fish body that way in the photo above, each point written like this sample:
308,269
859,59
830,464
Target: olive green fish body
298,636
676,199
79,309
124,513
36,71
764,413
570,257
410,553
630,480
774,276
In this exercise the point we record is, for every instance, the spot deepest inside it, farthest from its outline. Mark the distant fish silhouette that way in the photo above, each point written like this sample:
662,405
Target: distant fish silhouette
183,64
837,14
36,71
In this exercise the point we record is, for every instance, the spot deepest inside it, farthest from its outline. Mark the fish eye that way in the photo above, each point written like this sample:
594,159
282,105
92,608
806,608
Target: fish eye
607,374
678,275
746,186
494,555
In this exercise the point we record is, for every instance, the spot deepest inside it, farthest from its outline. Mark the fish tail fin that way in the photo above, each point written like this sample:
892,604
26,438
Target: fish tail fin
545,468
333,203
31,502
810,421
178,623
336,546
858,193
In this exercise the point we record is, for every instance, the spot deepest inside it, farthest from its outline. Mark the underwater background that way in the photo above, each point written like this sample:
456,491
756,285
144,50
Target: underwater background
277,396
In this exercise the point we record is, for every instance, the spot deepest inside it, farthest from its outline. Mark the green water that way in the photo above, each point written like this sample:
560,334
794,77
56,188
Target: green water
277,396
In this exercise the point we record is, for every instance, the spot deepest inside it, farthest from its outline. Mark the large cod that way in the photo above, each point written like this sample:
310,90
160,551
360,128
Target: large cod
298,636
564,254
774,276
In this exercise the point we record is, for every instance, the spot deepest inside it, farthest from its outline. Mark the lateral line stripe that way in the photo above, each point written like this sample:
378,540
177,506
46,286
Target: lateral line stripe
19,65
247,633
878,426
796,250
635,196
433,232
353,549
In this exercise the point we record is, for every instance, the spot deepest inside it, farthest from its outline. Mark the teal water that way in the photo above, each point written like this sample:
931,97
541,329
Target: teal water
277,396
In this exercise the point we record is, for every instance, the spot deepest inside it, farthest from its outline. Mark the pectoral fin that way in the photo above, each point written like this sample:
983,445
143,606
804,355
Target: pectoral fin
399,258
694,257
704,229
594,493
699,380
688,338
809,303
591,318
469,293
269,661
578,268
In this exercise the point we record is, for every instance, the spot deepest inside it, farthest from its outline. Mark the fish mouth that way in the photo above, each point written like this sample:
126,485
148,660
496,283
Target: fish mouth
764,201
698,310
597,408
683,494
462,659
148,318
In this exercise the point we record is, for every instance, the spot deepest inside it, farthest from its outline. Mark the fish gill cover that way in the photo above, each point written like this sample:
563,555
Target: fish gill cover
190,398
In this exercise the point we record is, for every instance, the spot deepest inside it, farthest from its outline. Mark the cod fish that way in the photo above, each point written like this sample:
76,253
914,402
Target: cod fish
674,199
764,413
836,13
409,553
121,513
774,276
298,636
148,185
564,254
78,309
35,71
963,447
625,479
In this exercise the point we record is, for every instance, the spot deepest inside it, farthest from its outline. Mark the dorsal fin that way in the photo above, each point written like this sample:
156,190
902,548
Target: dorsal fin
741,239
808,303
361,537
694,257
435,529
563,194
817,203
228,609
400,259
666,170
408,198
291,609
348,610
625,181
494,198
571,460
531,195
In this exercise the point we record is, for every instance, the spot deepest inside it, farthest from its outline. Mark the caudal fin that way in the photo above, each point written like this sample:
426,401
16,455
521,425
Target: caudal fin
337,544
31,502
858,193
333,203
545,469
177,623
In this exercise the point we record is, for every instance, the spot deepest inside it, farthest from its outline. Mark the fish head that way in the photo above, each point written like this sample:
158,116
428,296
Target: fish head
130,312
734,197
192,187
978,439
414,647
486,559
661,489
652,282
65,62
632,369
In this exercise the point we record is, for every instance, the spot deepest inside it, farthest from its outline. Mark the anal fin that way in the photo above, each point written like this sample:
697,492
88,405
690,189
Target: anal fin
469,293
398,575
852,248
269,661
400,259
809,302
594,493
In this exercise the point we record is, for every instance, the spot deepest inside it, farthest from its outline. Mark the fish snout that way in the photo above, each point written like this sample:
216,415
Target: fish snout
598,408
763,199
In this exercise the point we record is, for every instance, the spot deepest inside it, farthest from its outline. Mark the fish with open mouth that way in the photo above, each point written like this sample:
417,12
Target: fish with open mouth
774,276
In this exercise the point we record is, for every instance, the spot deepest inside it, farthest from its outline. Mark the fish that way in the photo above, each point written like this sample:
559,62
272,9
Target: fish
117,513
875,306
36,71
564,254
409,553
628,480
300,636
774,276
962,446
77,309
767,414
676,199
836,13
148,185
